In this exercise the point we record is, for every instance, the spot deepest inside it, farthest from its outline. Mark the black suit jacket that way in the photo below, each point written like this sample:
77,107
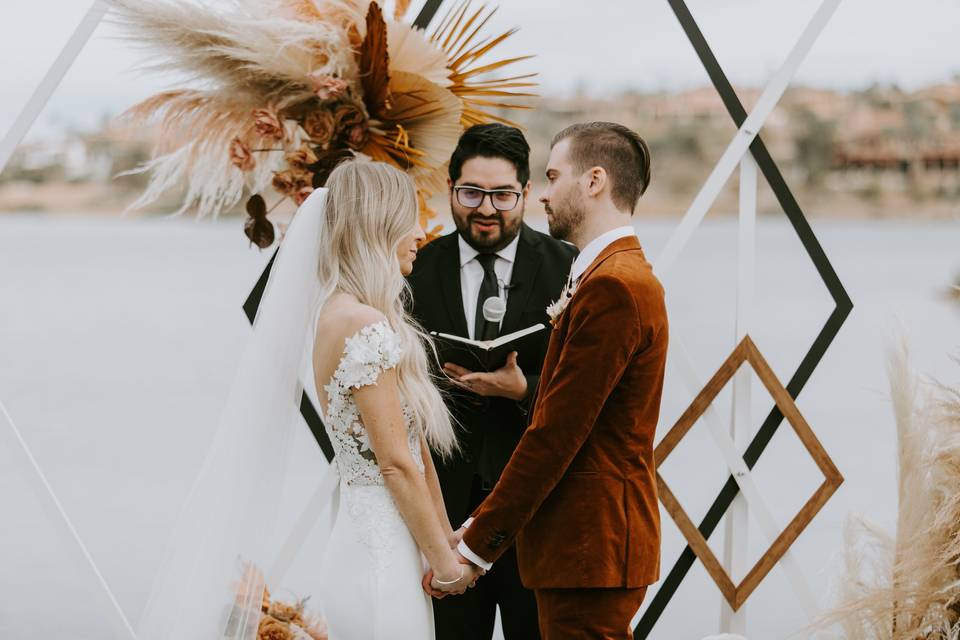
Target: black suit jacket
490,428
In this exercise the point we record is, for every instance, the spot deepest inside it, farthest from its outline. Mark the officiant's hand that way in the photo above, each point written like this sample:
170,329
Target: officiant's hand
507,382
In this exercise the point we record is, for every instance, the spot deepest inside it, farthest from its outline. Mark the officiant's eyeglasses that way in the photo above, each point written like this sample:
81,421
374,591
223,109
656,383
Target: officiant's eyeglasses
500,199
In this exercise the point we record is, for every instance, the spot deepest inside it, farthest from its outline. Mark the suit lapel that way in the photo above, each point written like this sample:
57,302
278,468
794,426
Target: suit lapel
449,271
525,268
628,243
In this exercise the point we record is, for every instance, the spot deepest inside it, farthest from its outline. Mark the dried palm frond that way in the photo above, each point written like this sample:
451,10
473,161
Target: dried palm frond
375,63
426,215
420,130
412,51
400,9
457,35
908,587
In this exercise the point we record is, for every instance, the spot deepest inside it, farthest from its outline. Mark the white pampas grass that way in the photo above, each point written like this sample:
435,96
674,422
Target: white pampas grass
907,586
241,55
239,46
259,72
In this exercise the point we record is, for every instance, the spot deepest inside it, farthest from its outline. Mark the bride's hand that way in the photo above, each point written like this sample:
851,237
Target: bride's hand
455,581
451,581
430,589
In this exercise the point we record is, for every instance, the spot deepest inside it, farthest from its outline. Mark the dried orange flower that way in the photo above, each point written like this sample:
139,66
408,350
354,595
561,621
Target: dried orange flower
240,155
272,629
267,124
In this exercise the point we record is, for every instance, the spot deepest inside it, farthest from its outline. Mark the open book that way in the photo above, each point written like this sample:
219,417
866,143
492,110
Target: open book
485,355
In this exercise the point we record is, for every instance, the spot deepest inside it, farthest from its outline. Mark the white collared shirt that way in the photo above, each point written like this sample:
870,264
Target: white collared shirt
467,553
471,275
596,246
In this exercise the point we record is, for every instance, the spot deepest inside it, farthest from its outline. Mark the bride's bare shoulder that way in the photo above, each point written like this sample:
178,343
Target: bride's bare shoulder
343,317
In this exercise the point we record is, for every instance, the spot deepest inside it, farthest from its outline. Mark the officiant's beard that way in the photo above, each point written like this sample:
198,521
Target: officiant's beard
490,241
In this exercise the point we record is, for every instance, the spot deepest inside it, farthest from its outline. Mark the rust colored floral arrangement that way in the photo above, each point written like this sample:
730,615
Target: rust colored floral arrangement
273,619
283,621
281,91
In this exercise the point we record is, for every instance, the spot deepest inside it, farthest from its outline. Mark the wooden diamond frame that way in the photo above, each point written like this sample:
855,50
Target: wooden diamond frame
736,595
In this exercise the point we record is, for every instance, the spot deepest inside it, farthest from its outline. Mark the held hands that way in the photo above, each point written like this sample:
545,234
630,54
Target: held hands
456,583
507,381
455,537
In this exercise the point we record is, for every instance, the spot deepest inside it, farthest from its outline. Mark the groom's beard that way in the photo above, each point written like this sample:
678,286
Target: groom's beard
566,219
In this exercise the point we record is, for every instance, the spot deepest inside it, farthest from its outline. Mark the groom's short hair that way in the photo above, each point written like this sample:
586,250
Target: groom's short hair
493,140
619,150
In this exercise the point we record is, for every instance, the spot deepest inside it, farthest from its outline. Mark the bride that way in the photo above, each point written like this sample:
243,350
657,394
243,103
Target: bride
382,413
333,306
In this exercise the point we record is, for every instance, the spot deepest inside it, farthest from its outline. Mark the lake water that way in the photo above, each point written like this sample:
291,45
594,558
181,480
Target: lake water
118,338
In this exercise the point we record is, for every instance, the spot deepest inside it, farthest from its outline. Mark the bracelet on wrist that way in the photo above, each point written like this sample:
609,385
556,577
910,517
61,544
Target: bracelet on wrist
445,582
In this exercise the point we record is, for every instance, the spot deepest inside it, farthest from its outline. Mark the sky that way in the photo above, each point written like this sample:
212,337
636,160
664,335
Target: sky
601,47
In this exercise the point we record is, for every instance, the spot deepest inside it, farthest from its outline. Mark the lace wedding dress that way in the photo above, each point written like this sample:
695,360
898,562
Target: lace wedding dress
372,567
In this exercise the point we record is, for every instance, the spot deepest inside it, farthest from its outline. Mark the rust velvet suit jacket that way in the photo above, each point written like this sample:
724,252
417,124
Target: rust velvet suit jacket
579,493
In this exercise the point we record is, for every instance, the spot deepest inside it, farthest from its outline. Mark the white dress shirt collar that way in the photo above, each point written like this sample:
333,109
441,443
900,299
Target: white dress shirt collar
595,247
468,253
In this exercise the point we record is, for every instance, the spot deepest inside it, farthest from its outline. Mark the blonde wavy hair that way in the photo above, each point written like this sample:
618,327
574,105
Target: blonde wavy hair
370,208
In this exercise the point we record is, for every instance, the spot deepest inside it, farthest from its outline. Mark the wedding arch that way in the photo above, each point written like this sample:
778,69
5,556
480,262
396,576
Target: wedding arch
739,497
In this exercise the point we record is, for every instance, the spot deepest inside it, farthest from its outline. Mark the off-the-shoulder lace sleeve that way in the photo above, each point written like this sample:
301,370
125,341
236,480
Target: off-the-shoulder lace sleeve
366,355
369,352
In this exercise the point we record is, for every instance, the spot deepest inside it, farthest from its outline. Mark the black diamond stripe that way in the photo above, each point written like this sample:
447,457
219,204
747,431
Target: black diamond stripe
814,355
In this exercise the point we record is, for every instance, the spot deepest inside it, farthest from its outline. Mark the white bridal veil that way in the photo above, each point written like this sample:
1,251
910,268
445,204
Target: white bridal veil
210,585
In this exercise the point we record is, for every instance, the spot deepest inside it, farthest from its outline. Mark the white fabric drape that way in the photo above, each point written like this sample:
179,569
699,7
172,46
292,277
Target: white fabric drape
210,585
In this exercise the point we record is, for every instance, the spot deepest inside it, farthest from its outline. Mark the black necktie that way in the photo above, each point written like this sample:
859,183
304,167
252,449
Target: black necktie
482,329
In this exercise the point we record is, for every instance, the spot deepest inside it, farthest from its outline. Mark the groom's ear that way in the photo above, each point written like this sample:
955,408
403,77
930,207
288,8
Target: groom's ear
526,189
596,180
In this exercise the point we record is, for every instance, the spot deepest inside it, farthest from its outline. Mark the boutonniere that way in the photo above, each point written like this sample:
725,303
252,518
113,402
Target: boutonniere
554,309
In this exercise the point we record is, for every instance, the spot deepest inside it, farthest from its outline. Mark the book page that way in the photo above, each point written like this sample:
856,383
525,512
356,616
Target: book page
516,335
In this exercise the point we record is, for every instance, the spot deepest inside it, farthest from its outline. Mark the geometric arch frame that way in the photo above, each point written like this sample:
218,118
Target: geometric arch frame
843,305
746,352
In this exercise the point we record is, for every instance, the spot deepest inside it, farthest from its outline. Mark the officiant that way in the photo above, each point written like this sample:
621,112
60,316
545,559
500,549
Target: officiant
492,257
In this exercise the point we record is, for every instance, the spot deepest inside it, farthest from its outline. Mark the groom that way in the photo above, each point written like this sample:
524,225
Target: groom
579,493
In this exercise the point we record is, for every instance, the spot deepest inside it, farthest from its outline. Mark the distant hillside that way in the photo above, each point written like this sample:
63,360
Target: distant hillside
879,152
